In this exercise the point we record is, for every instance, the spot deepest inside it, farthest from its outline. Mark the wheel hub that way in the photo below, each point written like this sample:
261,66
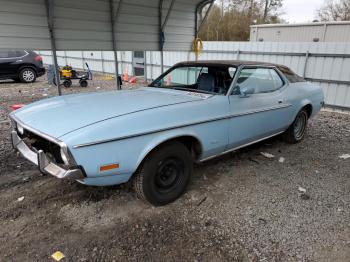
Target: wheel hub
28,76
299,125
168,173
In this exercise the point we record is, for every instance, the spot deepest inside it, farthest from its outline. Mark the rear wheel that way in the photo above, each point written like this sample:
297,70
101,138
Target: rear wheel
164,175
83,83
296,132
27,75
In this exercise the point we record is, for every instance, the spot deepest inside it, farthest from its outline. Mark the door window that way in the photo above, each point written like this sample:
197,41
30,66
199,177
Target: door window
262,80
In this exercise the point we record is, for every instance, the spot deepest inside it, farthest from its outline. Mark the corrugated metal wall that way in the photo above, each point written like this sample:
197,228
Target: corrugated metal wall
319,32
86,25
23,22
327,64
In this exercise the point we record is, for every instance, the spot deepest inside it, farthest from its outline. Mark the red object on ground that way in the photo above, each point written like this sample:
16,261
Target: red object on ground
133,80
18,106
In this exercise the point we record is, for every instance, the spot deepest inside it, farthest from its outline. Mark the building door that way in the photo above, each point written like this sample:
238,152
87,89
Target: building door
138,61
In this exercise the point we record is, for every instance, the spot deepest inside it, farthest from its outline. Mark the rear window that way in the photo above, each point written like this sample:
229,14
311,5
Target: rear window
290,75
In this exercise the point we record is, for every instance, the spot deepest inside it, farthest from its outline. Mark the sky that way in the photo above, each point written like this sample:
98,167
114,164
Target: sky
299,11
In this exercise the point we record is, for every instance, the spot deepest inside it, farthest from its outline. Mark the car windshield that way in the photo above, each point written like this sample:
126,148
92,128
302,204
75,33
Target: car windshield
203,79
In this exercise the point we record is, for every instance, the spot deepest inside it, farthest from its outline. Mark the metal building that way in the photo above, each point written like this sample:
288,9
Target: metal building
99,25
309,32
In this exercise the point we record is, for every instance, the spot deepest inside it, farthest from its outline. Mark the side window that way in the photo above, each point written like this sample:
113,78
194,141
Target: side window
12,54
262,80
4,54
8,54
278,83
20,53
290,75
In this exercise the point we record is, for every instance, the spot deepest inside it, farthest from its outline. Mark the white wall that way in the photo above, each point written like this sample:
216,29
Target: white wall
324,32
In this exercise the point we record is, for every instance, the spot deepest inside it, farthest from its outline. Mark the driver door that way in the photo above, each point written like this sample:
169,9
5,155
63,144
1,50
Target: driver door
257,106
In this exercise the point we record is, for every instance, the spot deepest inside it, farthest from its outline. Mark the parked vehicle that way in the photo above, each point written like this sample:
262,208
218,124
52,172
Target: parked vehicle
67,74
152,135
24,66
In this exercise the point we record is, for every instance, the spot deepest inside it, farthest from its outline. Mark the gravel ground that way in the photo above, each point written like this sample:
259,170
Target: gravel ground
240,207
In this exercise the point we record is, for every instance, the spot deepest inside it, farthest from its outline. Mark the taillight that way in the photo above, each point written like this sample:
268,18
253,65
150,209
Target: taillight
38,58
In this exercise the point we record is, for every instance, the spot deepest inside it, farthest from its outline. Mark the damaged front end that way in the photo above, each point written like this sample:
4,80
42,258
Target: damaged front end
50,155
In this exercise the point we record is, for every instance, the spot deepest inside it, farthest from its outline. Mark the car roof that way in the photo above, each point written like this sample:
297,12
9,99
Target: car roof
227,63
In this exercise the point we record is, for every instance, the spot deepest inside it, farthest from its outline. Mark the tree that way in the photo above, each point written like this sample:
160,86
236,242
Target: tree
334,10
230,20
271,6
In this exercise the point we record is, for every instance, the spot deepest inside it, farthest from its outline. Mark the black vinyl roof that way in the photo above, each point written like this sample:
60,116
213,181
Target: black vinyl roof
227,63
289,74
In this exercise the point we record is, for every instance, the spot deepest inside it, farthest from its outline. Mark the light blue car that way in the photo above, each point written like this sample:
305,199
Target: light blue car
152,135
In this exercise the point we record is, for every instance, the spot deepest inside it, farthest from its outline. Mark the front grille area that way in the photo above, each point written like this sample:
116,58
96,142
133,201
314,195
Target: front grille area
37,143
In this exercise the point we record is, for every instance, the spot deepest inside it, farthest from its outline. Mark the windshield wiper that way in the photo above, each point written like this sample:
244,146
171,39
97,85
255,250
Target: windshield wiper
186,89
193,90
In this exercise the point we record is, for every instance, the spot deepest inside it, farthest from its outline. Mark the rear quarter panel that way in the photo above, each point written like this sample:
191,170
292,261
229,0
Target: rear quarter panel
301,94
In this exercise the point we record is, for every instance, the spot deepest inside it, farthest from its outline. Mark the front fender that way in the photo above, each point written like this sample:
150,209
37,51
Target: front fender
128,153
164,137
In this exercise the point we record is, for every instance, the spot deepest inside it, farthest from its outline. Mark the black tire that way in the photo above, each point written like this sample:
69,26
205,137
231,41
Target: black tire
164,175
27,75
67,83
83,83
297,130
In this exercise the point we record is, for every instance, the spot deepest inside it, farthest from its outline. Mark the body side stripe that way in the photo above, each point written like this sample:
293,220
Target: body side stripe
180,126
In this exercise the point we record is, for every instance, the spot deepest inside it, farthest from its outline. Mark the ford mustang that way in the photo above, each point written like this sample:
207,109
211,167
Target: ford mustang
151,136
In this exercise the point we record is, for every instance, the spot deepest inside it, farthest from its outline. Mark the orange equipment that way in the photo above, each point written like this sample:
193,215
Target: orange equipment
126,75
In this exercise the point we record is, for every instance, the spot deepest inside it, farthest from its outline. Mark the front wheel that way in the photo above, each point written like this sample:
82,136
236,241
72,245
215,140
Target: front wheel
67,83
296,132
164,175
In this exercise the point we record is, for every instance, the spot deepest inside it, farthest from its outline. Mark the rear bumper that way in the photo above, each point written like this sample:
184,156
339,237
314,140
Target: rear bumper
41,71
45,165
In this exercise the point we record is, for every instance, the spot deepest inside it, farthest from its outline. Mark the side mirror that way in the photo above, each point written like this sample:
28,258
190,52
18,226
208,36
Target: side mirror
159,83
246,92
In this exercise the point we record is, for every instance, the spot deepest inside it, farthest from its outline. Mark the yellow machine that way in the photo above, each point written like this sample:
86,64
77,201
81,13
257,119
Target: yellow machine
67,73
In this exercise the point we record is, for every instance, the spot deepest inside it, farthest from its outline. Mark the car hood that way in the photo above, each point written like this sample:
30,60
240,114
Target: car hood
59,116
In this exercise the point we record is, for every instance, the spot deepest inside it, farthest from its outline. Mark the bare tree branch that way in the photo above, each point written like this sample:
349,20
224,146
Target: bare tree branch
334,10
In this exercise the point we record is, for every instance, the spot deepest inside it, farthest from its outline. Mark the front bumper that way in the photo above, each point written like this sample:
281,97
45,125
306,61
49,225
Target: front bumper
45,165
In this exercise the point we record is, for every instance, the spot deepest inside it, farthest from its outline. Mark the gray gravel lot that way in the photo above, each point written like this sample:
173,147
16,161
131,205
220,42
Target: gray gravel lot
239,207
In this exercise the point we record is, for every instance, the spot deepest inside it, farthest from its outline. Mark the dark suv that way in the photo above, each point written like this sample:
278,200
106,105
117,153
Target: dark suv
24,66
